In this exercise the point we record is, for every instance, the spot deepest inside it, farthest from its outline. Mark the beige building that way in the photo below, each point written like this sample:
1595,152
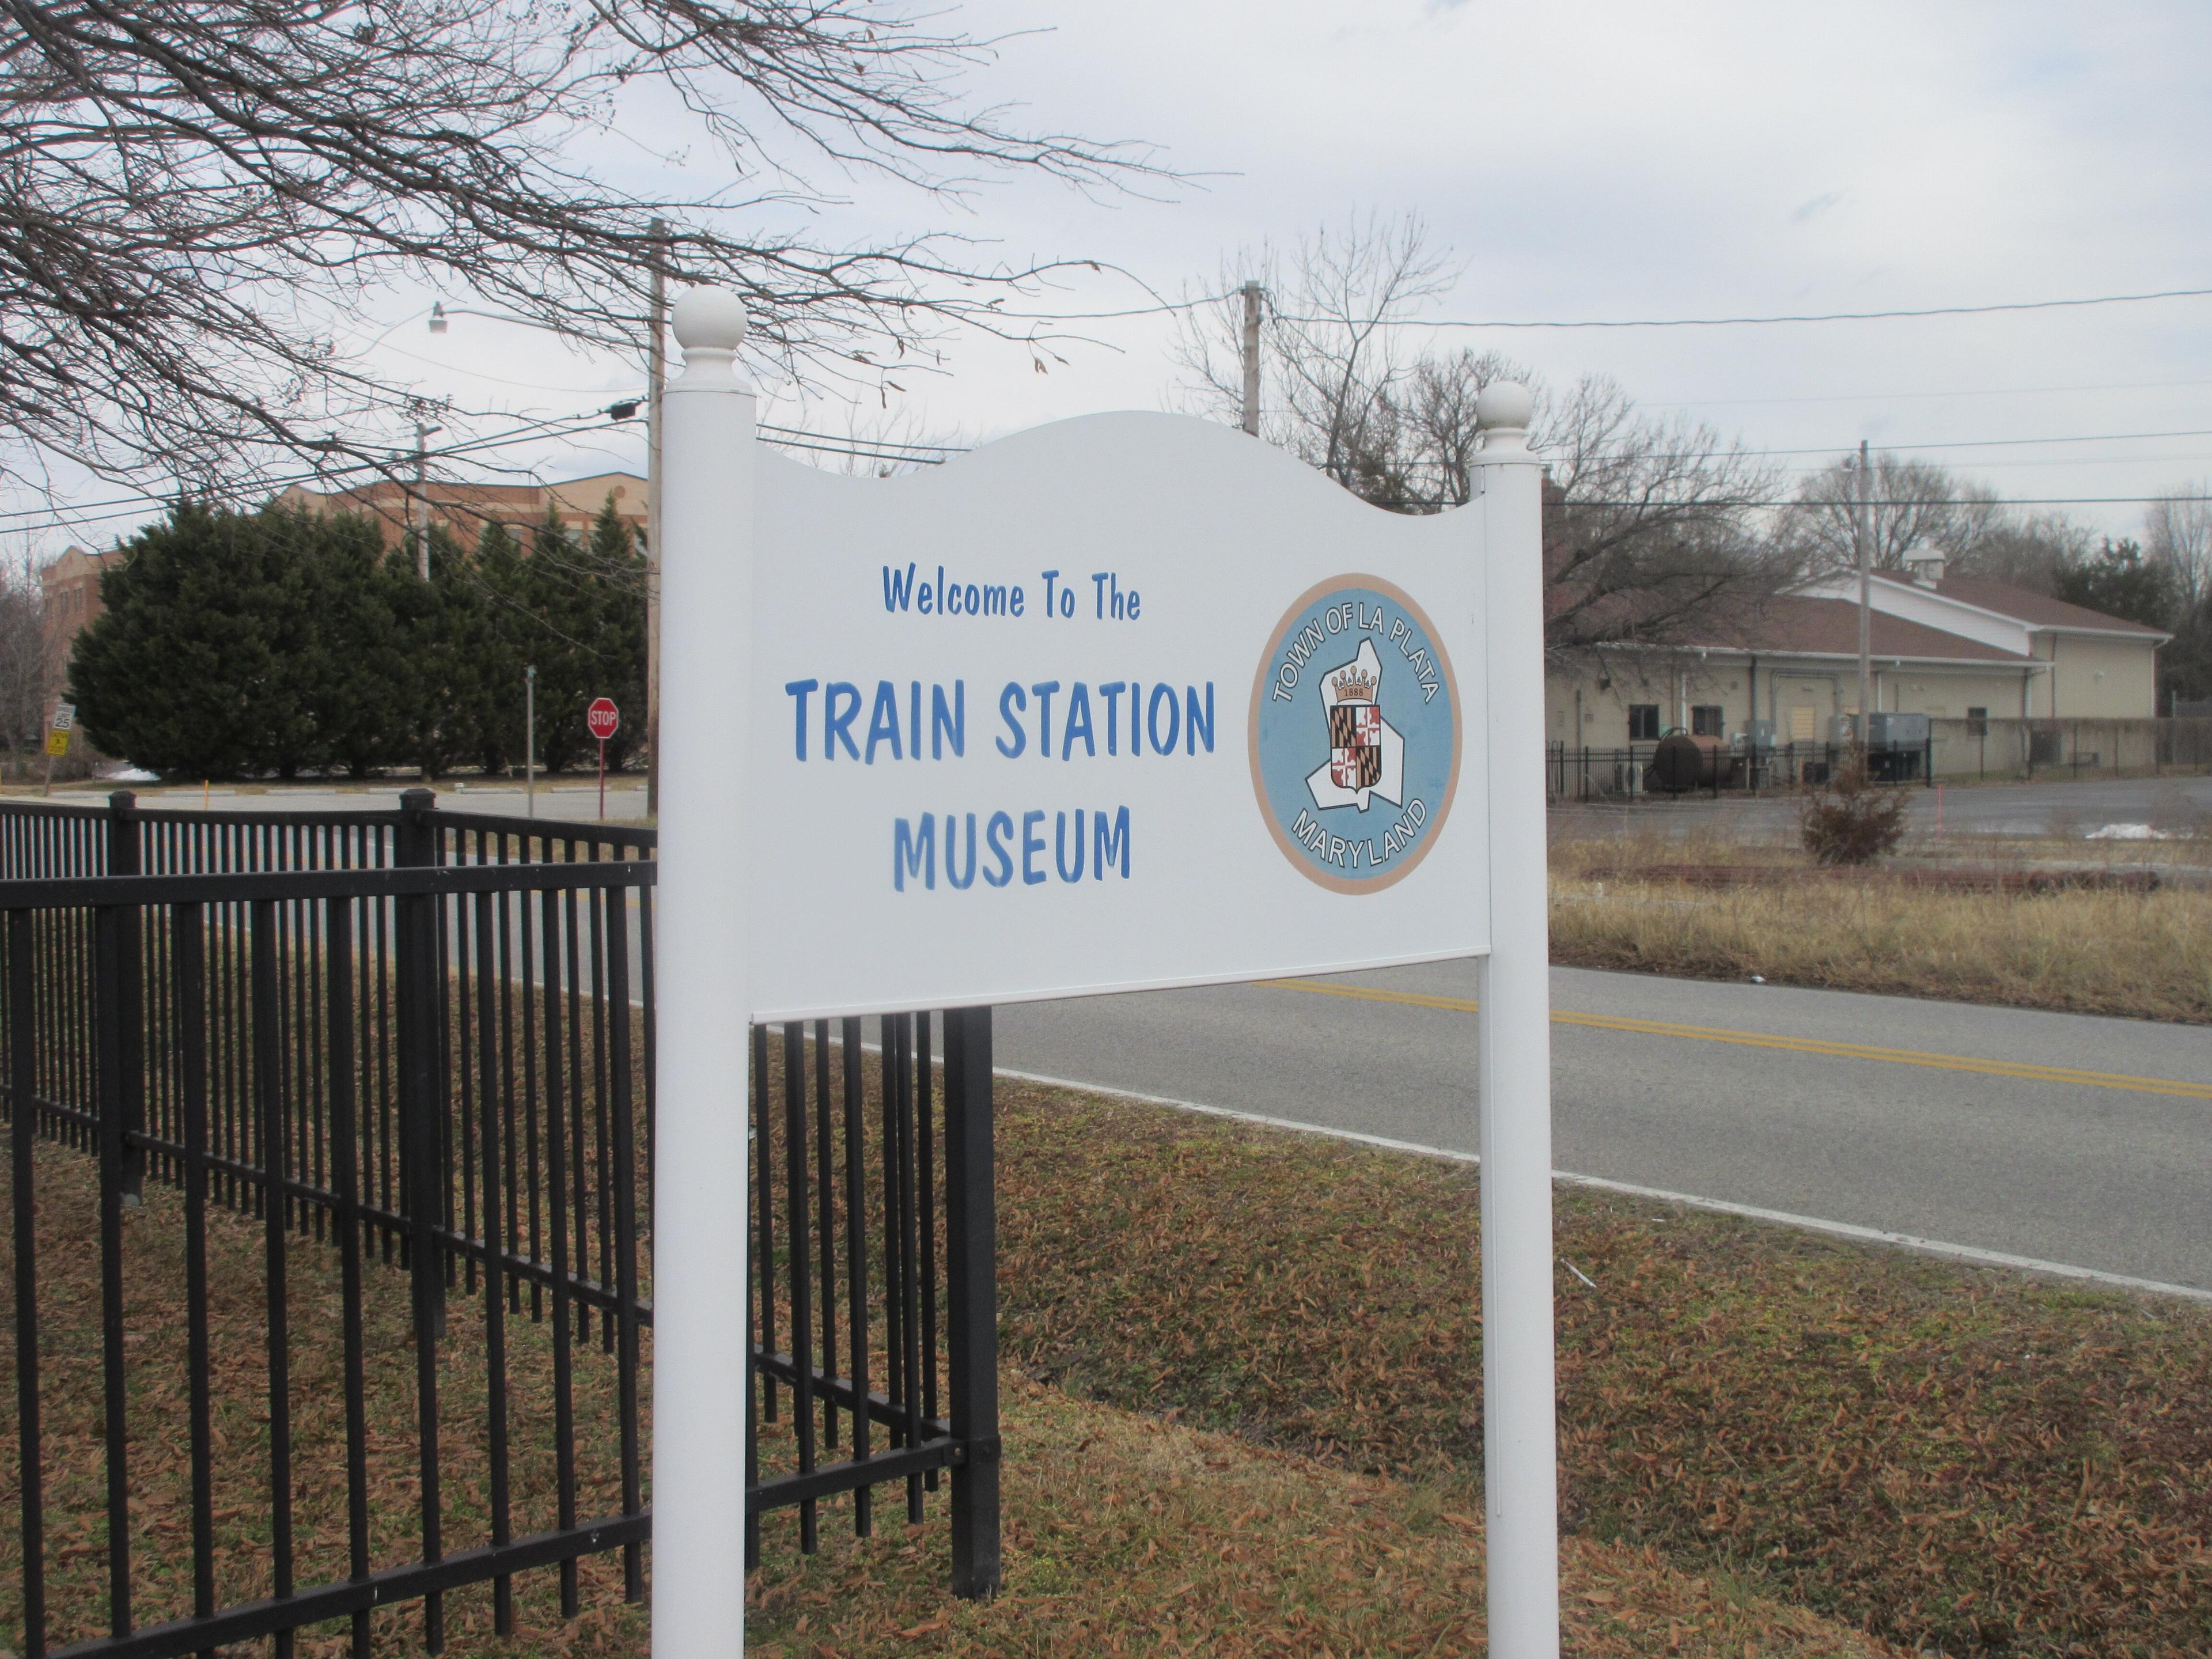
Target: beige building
68,593
1951,647
464,509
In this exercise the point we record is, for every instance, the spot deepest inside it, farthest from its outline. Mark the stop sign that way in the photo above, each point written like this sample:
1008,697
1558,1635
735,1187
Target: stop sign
603,717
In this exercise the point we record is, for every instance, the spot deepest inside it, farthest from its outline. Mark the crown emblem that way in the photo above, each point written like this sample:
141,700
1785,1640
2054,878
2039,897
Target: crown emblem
1354,684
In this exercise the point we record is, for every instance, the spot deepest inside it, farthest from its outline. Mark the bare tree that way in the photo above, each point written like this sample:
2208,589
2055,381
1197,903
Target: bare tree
2178,534
1918,509
1649,530
199,195
1333,371
2031,550
1652,538
26,681
1915,509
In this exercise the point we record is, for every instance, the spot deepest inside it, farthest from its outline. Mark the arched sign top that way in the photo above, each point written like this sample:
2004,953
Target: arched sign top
1113,449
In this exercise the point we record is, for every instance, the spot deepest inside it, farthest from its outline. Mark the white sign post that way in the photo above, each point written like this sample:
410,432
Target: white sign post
701,1348
1126,702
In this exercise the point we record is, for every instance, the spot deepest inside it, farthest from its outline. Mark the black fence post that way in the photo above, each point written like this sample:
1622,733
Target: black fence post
125,857
275,1219
107,1034
421,983
23,1127
972,1237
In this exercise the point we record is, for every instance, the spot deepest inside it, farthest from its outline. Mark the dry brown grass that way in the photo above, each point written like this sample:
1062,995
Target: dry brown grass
160,1470
1131,1534
2145,955
1957,1460
1124,1534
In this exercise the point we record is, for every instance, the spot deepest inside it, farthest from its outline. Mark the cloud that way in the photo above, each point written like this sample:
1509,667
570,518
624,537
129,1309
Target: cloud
1813,209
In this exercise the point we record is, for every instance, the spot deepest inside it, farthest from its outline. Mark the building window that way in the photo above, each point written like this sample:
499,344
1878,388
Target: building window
1978,722
1707,719
1642,721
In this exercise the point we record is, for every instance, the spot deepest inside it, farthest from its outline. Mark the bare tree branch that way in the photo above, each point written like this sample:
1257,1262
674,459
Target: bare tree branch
194,195
1649,524
2178,534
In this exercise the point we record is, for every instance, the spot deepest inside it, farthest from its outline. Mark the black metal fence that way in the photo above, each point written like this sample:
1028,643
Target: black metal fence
1624,773
916,1280
332,1141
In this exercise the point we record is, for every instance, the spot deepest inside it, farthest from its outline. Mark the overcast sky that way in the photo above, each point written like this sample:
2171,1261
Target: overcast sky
1605,162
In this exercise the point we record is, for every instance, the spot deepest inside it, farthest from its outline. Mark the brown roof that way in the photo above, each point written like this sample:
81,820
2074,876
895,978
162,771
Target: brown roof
2036,610
1792,623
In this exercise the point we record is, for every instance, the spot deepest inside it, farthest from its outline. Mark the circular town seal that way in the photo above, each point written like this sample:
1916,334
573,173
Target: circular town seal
1355,734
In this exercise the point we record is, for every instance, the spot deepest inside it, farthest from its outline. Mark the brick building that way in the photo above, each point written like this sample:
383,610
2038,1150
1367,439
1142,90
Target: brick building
464,509
69,589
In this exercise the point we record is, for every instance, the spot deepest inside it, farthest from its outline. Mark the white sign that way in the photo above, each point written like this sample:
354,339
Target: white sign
1126,702
64,717
1132,701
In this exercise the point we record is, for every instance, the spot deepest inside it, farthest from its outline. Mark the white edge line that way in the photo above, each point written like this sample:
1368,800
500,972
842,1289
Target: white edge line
1848,1229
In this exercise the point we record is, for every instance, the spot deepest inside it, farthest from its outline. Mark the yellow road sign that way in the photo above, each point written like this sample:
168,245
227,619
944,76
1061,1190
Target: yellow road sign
57,741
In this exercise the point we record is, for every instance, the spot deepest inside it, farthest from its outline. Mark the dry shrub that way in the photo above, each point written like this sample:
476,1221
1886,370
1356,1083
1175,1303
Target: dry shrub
1851,820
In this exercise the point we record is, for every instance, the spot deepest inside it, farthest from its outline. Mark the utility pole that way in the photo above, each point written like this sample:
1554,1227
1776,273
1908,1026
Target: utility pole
1862,541
1252,358
656,369
422,503
529,736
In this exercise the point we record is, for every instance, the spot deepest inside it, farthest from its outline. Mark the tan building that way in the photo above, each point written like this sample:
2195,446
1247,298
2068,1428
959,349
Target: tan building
1951,647
464,509
69,591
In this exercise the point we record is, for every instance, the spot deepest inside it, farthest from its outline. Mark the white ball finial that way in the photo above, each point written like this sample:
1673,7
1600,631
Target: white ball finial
1503,403
712,318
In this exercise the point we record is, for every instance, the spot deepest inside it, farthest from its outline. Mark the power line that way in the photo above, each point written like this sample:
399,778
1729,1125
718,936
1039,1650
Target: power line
131,506
1973,443
1901,397
1796,316
845,449
2189,460
1719,505
1161,309
871,443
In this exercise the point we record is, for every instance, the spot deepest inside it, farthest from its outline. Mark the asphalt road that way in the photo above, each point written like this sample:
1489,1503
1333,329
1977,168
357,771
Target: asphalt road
1967,1127
1970,1126
567,800
2050,807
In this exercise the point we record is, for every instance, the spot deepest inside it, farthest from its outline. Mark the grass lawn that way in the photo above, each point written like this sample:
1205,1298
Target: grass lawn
1243,1417
1944,1457
1128,1534
160,1470
2145,955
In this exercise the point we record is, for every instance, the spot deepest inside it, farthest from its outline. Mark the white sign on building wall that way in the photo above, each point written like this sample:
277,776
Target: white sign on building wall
1132,701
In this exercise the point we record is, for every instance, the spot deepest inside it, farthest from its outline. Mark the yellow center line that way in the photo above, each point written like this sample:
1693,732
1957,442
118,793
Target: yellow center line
2151,1085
